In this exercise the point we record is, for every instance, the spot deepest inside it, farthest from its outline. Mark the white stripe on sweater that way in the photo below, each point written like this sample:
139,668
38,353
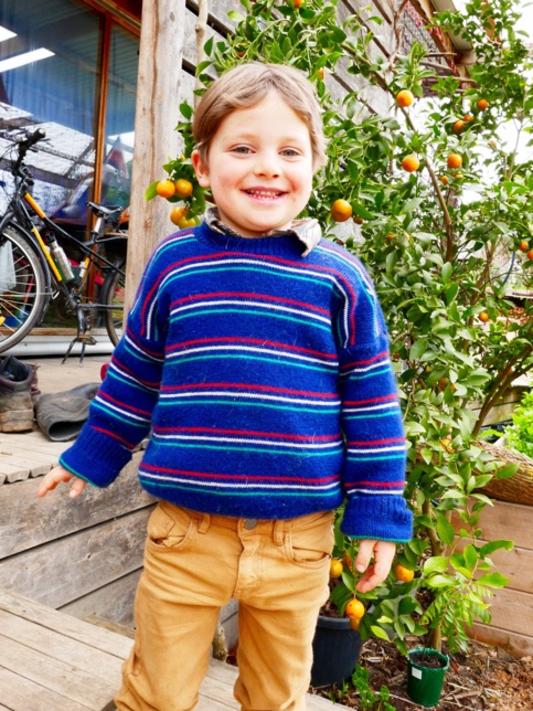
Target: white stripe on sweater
244,440
248,485
296,356
260,304
254,396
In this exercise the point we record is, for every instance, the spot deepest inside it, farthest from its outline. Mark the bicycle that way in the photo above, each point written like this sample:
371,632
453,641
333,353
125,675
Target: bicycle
35,270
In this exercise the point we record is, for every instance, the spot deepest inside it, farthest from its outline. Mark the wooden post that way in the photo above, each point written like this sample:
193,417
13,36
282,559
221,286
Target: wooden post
156,115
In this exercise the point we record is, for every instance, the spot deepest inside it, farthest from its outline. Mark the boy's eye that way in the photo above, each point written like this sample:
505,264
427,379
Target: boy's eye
290,152
241,149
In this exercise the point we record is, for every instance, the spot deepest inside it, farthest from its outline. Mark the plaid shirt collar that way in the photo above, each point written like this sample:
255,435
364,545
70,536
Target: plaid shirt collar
306,230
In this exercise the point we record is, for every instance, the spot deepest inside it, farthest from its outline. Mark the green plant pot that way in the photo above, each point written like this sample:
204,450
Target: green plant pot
424,683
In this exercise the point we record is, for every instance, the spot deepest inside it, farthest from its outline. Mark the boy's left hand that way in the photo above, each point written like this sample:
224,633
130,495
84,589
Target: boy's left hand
383,553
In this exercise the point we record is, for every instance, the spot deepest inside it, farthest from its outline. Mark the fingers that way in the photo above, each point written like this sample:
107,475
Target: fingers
55,477
376,573
366,550
77,487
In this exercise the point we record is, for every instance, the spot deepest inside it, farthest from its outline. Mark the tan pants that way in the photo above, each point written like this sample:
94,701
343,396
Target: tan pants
193,565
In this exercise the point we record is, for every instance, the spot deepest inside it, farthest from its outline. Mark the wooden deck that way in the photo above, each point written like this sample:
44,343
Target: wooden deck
50,661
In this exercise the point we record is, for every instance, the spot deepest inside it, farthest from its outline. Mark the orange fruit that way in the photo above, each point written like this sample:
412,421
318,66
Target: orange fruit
458,175
389,236
482,104
297,3
403,574
341,210
468,117
458,126
184,222
443,382
165,188
321,73
183,188
483,316
404,98
410,163
530,254
355,609
358,220
444,179
524,245
335,568
455,160
177,213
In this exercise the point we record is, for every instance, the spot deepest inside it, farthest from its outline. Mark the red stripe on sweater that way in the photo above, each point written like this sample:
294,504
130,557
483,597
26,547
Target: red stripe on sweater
252,341
245,477
381,398
249,295
113,435
250,433
247,387
376,484
123,405
353,363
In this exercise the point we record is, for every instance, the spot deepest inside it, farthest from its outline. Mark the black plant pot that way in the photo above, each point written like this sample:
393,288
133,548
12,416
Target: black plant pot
336,649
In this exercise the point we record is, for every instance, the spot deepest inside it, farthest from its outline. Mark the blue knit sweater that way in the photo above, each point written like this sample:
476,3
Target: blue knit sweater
264,377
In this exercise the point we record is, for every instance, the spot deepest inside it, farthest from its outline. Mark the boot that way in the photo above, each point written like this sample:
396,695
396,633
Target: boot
17,382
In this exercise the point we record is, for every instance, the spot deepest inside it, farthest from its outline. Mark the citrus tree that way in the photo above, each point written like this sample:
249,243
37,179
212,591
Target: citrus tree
442,208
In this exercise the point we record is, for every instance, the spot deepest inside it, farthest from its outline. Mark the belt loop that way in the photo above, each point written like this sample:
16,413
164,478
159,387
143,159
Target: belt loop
204,523
278,532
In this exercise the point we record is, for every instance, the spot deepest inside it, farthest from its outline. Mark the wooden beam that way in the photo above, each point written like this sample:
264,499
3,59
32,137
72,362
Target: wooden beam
158,97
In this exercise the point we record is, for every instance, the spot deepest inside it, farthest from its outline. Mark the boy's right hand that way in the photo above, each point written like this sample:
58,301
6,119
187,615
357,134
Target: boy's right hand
57,475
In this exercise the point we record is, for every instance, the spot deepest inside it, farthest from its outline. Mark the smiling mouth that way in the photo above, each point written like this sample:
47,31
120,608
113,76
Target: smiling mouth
266,195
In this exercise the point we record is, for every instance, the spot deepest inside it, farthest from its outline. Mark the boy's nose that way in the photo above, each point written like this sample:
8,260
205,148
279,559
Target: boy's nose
267,165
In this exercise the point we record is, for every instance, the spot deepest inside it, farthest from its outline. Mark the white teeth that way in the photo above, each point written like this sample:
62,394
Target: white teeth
260,194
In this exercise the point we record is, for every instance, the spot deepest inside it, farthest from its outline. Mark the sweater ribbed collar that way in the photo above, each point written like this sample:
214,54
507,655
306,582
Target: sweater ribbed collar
306,230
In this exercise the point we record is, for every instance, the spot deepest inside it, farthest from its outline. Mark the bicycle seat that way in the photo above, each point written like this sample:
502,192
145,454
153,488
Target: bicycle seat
103,211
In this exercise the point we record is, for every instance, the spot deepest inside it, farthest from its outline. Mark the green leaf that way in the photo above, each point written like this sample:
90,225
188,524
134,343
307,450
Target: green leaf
417,349
379,632
235,16
492,546
439,581
186,110
150,191
445,530
493,580
436,564
446,272
471,556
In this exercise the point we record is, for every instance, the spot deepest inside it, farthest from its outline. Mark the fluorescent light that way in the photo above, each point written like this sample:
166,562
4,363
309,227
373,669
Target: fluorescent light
6,34
19,60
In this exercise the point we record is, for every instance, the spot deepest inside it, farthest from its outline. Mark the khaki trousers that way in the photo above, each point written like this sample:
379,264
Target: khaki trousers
194,564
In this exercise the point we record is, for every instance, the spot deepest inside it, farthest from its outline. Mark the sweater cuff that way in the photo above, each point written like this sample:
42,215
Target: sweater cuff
378,518
95,457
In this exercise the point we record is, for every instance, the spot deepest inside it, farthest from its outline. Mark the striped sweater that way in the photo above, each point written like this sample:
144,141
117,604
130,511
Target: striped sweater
264,379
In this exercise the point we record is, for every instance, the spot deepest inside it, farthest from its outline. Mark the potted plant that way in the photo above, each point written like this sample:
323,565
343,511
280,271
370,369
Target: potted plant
426,668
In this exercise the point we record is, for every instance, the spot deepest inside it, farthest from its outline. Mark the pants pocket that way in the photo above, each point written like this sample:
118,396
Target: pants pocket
170,527
309,541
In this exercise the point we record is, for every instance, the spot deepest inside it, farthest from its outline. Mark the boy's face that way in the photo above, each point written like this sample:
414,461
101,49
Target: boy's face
259,167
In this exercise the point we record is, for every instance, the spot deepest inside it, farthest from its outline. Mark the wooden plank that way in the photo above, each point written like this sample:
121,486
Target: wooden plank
27,521
517,565
63,678
65,649
113,601
520,645
66,625
79,563
506,521
22,695
511,610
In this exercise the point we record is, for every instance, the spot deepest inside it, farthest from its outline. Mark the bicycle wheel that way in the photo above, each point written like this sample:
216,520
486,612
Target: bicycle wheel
113,295
22,287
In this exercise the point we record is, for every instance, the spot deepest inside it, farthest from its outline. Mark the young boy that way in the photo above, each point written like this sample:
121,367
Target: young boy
257,353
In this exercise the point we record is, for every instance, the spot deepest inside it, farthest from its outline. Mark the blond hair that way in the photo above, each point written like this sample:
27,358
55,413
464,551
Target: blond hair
245,86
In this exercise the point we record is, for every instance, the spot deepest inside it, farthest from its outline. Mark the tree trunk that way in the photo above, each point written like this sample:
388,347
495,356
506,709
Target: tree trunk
156,115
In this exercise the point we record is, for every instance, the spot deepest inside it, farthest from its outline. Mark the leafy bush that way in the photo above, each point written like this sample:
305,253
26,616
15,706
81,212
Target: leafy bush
519,435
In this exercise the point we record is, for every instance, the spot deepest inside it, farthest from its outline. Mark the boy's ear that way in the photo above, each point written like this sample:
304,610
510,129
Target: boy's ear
200,169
